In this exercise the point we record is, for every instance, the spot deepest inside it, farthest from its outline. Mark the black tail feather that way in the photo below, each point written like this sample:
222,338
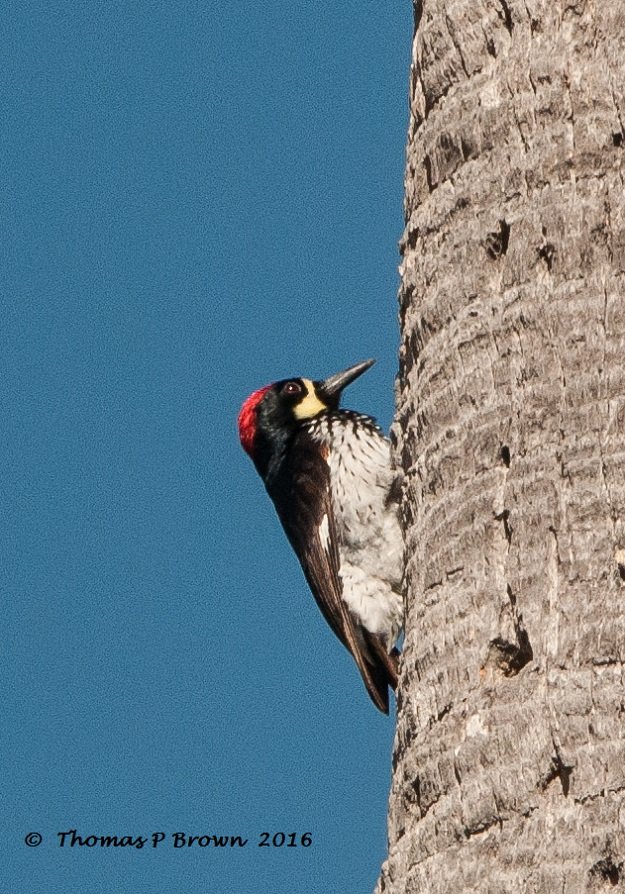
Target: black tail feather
383,670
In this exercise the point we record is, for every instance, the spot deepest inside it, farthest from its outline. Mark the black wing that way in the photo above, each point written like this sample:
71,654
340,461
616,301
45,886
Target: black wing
301,494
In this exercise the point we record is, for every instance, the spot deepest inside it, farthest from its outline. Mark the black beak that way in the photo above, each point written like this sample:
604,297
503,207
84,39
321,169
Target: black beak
333,385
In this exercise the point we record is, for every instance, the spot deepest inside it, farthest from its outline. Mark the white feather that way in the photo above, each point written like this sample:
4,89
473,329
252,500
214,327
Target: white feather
324,532
370,539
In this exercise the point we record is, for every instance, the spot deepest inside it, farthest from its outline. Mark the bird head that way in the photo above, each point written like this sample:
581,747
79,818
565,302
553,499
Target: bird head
277,409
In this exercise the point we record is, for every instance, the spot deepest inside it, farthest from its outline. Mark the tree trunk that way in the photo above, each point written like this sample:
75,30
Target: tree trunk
509,765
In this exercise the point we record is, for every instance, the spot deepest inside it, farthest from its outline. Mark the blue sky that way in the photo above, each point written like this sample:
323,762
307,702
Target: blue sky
198,199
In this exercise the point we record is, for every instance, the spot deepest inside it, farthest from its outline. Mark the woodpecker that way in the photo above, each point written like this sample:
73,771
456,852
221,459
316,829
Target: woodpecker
328,471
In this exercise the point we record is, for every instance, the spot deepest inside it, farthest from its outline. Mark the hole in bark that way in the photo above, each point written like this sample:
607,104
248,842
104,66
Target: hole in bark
547,253
510,658
564,773
503,517
416,787
507,18
607,870
617,139
457,774
559,770
496,243
526,652
505,456
621,570
443,712
410,239
427,163
469,150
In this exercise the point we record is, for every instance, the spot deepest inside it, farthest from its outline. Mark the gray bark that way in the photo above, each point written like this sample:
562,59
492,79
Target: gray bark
509,764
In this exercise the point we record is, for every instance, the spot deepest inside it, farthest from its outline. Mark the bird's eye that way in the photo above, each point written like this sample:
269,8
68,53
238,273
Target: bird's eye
292,388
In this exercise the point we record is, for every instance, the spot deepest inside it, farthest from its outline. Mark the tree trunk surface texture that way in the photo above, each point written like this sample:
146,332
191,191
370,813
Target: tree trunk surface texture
509,756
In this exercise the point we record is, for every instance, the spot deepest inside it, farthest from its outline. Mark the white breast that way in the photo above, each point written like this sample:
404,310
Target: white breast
370,539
